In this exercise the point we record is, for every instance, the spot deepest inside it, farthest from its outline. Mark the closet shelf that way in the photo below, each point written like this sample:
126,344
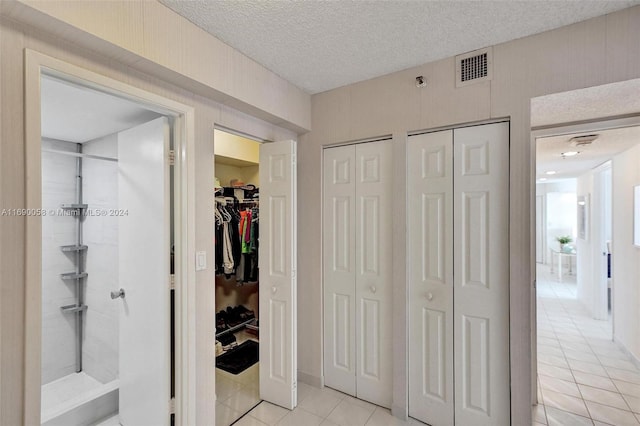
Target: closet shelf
74,206
73,275
71,309
74,248
235,328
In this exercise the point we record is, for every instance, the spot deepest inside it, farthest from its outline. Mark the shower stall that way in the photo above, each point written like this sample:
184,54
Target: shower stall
79,270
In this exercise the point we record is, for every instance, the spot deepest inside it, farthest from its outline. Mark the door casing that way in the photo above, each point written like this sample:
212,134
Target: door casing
37,64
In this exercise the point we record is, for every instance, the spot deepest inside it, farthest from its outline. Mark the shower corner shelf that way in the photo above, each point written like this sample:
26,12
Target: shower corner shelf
73,275
72,309
74,206
74,248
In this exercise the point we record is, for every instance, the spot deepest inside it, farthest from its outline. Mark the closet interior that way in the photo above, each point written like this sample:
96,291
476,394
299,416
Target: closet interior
237,230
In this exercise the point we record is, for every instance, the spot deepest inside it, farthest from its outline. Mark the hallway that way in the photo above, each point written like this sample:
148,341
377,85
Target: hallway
583,377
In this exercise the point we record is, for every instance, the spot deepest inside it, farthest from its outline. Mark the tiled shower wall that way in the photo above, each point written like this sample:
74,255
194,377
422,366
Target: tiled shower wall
100,327
58,329
100,191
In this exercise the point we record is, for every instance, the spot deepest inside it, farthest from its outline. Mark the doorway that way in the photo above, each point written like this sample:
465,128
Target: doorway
103,250
585,370
237,228
255,245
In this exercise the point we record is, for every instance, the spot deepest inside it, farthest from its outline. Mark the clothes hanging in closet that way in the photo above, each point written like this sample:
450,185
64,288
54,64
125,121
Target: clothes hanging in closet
236,241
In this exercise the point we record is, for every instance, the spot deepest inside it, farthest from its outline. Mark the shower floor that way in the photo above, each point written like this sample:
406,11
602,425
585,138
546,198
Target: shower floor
71,391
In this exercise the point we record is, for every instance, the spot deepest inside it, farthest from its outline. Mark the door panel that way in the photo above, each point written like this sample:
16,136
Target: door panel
144,247
373,279
339,269
481,247
430,189
278,347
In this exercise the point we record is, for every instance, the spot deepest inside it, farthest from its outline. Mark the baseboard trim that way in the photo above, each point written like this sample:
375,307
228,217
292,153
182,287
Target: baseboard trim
400,412
635,360
310,379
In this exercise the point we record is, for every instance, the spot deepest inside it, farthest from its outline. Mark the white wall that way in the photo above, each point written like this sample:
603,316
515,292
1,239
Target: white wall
626,257
561,211
58,329
100,192
585,247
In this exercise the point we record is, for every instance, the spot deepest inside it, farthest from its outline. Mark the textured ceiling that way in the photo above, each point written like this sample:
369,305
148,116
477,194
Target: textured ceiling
609,143
584,105
320,45
591,103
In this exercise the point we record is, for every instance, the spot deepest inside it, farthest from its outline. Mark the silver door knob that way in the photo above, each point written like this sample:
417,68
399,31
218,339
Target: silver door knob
373,288
274,289
429,296
117,294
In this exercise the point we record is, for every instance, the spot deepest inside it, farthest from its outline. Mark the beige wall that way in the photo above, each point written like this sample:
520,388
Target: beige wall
136,33
626,257
594,52
14,38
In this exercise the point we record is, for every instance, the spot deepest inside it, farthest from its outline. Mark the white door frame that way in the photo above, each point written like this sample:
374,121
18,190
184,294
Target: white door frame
37,64
548,131
598,224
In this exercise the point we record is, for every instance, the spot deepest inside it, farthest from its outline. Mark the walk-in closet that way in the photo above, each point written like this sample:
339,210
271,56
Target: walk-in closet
237,230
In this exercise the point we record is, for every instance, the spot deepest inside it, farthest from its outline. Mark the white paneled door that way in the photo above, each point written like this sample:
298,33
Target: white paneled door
430,188
459,276
144,249
278,347
357,256
481,274
339,254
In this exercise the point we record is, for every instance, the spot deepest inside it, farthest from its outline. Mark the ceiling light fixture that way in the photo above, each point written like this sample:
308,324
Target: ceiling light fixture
551,172
542,179
569,153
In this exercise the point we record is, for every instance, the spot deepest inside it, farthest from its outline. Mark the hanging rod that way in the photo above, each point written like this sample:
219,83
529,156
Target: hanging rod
80,155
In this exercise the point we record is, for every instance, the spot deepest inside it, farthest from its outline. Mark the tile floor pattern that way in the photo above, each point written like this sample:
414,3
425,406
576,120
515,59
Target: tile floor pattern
584,378
237,393
322,407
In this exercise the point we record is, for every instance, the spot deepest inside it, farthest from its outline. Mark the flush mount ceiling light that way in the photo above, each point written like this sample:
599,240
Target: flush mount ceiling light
569,154
550,172
542,179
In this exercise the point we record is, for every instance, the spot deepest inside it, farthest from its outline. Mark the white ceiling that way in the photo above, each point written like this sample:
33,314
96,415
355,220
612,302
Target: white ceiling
609,143
321,45
78,114
609,100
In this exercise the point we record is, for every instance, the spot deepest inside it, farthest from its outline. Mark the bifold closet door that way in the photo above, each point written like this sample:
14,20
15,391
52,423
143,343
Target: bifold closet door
430,188
459,283
357,270
481,278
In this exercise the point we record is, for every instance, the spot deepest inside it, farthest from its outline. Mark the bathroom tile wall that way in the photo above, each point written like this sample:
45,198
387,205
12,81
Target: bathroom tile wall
100,192
58,329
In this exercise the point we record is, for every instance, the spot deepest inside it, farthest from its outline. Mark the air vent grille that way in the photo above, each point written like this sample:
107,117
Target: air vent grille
474,67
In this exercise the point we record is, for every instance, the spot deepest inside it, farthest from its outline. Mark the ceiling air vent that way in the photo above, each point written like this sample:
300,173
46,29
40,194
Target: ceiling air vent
474,67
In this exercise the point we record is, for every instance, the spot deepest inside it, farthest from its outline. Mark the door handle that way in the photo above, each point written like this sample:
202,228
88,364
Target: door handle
429,296
373,288
274,289
117,294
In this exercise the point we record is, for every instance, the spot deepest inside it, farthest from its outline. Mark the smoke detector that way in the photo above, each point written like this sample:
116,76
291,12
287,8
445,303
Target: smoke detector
582,140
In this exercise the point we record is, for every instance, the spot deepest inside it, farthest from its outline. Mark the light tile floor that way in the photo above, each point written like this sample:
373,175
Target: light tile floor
322,407
584,378
237,393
